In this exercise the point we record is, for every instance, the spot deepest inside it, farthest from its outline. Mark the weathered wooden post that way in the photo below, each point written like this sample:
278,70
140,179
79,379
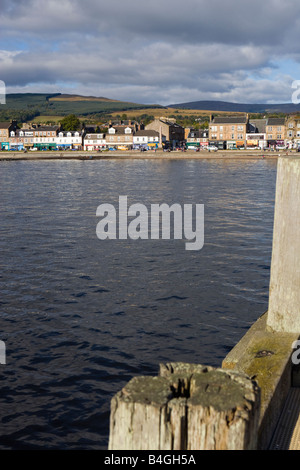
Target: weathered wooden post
187,407
284,294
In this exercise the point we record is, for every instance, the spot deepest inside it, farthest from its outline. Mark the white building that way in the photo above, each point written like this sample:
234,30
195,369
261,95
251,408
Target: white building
69,139
94,142
256,140
147,138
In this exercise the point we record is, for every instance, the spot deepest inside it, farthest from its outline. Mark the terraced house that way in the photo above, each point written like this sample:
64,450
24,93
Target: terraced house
228,132
21,139
276,132
5,129
256,136
119,137
94,141
69,140
197,139
44,137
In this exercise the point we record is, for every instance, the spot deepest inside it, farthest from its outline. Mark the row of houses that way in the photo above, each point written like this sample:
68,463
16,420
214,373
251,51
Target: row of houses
236,132
242,132
232,132
124,135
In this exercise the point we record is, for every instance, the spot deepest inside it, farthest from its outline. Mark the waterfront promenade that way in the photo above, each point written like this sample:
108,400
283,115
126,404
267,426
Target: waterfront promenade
119,154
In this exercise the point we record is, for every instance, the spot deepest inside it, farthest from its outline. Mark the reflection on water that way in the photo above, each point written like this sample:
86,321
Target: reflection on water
80,317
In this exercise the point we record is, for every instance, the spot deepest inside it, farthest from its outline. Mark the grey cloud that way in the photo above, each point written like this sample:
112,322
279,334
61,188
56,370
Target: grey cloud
197,49
231,22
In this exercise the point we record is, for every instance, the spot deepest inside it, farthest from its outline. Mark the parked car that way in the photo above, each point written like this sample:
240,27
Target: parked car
212,148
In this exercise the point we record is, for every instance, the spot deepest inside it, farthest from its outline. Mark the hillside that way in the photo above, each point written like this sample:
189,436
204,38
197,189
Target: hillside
23,106
238,107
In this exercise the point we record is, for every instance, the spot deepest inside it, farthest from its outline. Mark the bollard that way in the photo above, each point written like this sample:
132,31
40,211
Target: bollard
186,407
284,292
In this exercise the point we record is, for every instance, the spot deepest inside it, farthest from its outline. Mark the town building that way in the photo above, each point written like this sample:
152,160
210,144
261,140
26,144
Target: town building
256,136
228,132
292,132
119,137
44,137
21,139
68,140
168,127
276,132
197,139
147,139
94,141
5,129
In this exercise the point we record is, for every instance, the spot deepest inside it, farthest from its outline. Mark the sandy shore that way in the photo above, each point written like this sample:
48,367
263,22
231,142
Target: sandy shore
81,155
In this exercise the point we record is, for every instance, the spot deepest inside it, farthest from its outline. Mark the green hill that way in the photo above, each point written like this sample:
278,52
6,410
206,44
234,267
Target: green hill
25,106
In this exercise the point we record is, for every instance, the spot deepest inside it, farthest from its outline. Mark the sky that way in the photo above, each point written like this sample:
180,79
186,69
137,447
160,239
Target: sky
152,52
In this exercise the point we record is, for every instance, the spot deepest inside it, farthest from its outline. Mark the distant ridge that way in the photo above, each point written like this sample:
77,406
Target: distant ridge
66,97
238,107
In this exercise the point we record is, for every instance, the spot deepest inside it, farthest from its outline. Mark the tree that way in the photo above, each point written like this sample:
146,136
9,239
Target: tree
70,123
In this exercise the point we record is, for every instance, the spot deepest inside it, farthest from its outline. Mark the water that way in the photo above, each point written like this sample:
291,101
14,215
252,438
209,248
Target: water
80,317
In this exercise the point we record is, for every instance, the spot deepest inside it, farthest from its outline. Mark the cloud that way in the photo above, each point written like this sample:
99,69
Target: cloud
166,51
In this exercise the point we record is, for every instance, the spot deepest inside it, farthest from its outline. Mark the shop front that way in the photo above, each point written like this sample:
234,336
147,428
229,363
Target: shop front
240,144
192,145
280,144
5,146
252,143
272,144
152,145
45,146
231,145
220,144
17,147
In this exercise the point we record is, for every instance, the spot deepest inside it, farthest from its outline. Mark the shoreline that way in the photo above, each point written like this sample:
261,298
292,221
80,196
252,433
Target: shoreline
127,154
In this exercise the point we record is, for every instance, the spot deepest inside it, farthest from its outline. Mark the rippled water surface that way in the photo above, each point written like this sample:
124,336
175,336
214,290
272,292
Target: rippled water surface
80,317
